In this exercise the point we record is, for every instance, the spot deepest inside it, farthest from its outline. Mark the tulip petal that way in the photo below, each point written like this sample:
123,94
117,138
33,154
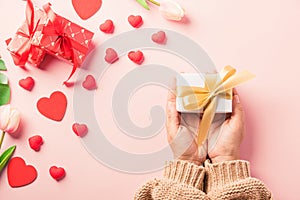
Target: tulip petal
14,121
171,10
4,116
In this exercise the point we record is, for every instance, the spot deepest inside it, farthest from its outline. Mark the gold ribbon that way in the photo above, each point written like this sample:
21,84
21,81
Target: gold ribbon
194,98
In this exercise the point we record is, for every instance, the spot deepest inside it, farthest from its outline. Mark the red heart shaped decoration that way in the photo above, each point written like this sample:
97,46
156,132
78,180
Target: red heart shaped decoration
137,57
27,83
54,107
111,56
80,129
135,21
159,37
19,174
89,83
57,173
35,142
86,9
107,26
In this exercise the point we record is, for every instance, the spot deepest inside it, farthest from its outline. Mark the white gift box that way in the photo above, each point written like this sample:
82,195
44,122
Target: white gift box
198,80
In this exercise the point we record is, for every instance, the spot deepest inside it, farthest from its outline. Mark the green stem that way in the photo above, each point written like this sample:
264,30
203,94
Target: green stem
2,137
154,2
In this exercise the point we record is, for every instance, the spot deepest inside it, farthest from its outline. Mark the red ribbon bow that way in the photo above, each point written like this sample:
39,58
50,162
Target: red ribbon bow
63,42
20,57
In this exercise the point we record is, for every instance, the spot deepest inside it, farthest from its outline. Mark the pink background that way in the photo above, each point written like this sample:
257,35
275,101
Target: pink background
261,36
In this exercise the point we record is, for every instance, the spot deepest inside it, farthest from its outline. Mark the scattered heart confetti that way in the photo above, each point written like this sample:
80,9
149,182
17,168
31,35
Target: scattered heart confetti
54,107
111,56
89,83
27,83
57,173
107,26
135,21
159,37
80,129
19,174
86,9
136,56
35,142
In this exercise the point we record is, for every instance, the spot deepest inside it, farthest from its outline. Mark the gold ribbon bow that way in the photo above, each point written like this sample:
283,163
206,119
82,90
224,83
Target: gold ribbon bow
195,98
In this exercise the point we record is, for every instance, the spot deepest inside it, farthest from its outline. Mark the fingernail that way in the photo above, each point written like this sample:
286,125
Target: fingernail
237,98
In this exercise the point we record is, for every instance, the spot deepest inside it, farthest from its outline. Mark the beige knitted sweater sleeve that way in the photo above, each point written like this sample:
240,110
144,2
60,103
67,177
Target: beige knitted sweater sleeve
186,181
232,180
181,180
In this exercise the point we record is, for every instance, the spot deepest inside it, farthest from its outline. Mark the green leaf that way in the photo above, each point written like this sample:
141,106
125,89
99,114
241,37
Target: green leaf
143,3
3,79
4,94
5,157
2,65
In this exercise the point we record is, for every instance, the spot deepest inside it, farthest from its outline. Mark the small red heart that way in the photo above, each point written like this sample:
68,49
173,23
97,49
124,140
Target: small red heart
35,142
89,83
135,21
54,107
111,56
19,174
107,26
80,129
57,173
86,9
137,57
159,37
27,83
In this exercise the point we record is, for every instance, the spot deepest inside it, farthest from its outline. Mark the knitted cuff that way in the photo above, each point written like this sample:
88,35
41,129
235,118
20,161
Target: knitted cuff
185,172
220,174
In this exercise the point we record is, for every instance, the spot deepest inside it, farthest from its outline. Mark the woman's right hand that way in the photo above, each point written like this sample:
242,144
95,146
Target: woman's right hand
181,132
226,137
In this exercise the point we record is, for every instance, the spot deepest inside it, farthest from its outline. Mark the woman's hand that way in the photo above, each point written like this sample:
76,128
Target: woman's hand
181,133
224,140
226,136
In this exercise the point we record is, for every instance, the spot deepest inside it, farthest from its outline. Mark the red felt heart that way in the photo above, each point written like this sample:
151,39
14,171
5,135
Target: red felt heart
86,9
54,107
89,83
19,174
57,173
35,142
111,56
27,83
159,37
107,26
80,129
135,21
137,57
